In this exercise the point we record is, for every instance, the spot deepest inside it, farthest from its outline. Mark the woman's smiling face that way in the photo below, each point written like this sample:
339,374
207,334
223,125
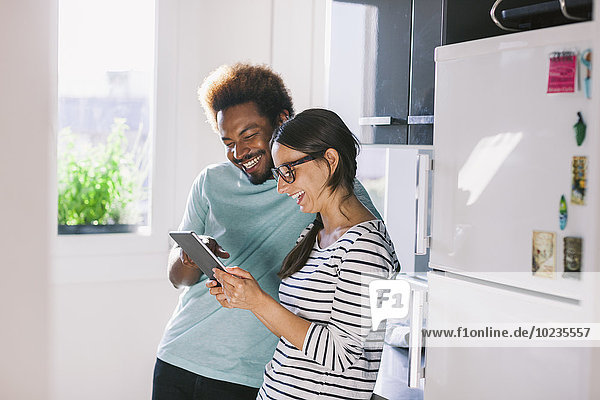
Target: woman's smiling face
309,186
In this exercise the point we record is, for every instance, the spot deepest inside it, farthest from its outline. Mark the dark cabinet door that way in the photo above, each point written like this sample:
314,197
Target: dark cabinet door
426,36
370,67
381,68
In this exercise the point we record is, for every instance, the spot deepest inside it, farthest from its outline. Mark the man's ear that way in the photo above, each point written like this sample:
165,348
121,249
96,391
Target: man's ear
332,157
283,116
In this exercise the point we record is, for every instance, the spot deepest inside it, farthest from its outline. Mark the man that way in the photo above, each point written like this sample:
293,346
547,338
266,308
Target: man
208,352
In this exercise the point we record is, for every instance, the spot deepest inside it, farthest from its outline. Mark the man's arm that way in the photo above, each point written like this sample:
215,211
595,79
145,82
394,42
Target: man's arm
182,273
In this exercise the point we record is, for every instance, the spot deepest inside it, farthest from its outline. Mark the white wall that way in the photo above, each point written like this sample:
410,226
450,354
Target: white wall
287,34
27,81
111,299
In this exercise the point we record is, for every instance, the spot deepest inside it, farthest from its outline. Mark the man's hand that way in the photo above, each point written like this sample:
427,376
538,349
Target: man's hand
182,270
186,260
214,246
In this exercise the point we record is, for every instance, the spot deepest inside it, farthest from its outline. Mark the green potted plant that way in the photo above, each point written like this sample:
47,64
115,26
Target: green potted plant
100,186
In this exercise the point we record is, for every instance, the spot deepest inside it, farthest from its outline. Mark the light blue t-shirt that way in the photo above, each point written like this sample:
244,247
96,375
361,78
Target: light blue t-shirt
258,227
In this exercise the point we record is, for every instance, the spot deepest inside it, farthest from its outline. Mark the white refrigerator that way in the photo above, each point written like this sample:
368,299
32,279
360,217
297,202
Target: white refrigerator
505,152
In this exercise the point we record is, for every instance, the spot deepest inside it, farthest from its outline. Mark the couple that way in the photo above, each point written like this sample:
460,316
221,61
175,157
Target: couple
212,350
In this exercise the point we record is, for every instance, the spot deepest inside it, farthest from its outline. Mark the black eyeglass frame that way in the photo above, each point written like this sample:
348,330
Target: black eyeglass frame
278,173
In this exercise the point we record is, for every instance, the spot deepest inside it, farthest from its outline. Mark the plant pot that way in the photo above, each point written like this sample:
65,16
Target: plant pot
96,229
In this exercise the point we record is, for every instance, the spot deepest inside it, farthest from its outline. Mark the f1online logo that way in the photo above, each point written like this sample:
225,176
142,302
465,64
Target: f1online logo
389,299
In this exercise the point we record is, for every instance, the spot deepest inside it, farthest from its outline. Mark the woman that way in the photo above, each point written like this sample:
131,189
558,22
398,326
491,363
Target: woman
326,348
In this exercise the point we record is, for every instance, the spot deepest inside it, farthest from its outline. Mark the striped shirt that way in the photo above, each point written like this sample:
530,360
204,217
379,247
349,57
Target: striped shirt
340,355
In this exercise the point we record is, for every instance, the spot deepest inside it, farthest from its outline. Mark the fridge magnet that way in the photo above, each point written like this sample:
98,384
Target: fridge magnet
586,60
578,179
572,257
543,257
580,128
562,72
562,213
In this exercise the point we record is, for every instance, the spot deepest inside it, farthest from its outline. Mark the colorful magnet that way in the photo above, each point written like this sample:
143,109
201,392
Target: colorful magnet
543,254
579,180
562,213
586,60
572,256
580,128
562,72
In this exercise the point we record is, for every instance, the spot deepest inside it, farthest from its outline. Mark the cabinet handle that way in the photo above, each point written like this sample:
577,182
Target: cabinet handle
420,120
565,12
375,121
383,121
496,20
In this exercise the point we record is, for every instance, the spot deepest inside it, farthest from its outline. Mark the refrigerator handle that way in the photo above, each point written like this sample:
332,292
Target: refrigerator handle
423,168
415,342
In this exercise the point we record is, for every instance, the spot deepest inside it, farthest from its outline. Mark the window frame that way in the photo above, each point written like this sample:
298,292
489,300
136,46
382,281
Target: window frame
141,254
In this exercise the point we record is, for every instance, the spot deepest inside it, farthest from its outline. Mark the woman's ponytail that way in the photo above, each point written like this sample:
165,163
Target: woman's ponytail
296,259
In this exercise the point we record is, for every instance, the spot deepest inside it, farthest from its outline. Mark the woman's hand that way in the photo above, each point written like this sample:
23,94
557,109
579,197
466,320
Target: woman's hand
217,291
238,289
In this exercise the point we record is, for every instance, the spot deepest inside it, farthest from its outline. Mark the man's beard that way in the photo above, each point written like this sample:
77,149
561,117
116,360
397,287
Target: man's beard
257,178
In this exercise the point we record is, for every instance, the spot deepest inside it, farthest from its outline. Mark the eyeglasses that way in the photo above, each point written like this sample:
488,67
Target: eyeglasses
286,170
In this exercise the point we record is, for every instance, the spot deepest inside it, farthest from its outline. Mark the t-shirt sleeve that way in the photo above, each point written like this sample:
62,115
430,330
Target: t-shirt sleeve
196,208
362,195
339,344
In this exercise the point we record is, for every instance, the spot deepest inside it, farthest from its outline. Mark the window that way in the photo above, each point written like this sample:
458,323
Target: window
105,108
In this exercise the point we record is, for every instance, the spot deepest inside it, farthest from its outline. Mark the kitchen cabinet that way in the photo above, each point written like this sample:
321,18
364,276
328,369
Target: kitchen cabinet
465,20
381,69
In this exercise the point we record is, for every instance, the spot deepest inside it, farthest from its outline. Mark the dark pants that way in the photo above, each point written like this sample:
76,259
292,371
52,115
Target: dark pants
174,383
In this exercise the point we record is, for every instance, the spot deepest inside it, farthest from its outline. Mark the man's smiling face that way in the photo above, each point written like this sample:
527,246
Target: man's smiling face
246,133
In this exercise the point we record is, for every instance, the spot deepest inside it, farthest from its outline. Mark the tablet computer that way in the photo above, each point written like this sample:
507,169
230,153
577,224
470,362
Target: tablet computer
193,246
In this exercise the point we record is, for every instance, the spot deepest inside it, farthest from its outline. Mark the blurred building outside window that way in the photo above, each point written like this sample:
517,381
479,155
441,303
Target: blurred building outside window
105,111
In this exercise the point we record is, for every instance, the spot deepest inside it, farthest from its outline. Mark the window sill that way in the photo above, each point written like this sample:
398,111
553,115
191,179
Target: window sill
110,257
99,229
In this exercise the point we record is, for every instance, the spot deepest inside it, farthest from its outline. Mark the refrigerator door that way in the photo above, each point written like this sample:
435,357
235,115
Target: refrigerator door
503,157
501,372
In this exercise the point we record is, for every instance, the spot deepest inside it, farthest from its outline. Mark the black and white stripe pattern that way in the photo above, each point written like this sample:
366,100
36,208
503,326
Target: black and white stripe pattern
340,356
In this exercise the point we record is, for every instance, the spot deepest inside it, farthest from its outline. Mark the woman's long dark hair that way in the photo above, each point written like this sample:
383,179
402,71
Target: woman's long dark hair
313,132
